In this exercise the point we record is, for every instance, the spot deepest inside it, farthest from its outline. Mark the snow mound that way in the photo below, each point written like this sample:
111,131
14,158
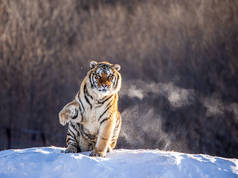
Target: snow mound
49,162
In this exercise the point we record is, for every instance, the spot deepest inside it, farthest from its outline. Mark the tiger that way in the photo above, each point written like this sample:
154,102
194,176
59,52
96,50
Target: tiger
93,119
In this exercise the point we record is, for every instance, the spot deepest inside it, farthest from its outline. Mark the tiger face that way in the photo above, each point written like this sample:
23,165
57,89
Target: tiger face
104,77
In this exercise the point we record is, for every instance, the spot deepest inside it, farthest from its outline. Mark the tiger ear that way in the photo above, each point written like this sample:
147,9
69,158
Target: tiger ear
117,67
93,64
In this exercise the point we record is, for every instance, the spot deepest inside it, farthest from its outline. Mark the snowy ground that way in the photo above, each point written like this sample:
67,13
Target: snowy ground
49,162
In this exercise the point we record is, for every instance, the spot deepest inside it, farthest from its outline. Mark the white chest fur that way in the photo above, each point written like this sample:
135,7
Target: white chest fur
91,119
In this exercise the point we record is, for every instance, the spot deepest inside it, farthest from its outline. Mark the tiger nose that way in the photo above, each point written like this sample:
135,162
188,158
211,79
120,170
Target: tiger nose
104,85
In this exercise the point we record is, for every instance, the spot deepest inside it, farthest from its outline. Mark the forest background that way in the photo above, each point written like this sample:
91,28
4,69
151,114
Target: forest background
179,63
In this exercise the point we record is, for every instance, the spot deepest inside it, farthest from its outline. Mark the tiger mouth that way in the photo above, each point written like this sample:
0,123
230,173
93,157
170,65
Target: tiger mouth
103,90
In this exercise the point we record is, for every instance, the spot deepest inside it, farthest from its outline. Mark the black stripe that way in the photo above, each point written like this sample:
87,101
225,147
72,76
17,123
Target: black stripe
69,134
80,109
104,112
118,78
114,137
91,145
78,124
90,137
81,113
81,104
102,102
108,104
76,115
70,139
91,82
86,91
102,99
77,132
75,129
116,81
117,126
81,130
86,98
72,134
103,121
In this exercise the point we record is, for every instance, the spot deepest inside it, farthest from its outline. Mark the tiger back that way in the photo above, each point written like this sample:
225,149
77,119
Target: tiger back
93,118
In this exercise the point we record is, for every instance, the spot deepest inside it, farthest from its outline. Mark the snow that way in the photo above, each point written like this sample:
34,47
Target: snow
50,162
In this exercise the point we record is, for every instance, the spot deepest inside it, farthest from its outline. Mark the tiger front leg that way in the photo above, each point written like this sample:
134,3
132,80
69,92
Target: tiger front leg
72,145
72,139
104,138
70,112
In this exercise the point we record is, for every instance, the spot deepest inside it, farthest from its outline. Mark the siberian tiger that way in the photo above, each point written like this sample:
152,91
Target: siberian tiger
93,119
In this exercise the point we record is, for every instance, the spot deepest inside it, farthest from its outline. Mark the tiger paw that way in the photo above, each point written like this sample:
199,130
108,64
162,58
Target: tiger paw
69,113
109,149
63,118
97,154
70,149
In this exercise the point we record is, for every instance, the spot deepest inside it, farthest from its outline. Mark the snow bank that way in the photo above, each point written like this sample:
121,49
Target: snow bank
49,162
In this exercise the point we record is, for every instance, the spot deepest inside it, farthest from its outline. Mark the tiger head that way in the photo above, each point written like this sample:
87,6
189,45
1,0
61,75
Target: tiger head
104,78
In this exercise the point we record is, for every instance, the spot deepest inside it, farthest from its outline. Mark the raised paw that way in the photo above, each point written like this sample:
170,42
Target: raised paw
64,117
68,113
